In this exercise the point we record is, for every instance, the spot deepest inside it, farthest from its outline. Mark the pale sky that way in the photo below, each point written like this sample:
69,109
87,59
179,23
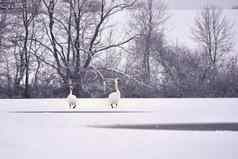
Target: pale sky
178,26
197,4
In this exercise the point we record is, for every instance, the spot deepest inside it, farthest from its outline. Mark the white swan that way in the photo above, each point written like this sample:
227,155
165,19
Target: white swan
71,99
114,97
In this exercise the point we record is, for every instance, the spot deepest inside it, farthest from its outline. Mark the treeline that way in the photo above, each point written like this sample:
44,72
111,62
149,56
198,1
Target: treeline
47,45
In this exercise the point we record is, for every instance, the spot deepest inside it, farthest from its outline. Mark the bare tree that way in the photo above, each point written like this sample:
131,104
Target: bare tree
84,28
29,11
214,32
3,17
148,19
9,44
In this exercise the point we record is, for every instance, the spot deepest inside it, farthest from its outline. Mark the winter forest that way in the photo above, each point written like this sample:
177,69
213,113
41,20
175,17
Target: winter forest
48,45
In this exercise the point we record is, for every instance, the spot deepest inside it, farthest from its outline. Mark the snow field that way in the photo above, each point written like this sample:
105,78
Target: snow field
67,135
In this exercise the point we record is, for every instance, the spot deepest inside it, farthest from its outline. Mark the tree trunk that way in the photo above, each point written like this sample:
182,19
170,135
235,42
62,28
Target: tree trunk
148,44
26,91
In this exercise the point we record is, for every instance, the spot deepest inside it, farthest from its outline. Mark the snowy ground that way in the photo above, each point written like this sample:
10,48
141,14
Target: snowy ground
72,135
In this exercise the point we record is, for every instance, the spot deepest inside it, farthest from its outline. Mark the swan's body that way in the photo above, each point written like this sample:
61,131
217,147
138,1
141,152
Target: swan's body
72,99
114,97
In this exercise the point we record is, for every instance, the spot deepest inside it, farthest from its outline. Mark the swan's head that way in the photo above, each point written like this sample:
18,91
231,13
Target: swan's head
116,80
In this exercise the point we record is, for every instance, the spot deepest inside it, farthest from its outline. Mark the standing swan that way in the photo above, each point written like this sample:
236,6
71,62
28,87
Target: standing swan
72,99
114,97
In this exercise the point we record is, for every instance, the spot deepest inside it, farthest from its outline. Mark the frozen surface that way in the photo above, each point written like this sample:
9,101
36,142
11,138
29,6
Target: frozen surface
67,135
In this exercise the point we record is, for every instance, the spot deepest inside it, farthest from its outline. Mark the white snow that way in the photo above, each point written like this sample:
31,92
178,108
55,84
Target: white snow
67,135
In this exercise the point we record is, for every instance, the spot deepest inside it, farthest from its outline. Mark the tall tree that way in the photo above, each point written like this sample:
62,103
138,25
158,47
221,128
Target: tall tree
214,32
84,27
147,20
29,11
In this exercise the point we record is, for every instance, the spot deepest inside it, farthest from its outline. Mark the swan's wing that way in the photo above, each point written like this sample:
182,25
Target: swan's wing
111,95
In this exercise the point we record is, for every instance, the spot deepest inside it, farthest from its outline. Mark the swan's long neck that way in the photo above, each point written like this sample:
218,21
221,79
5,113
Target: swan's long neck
116,86
70,90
